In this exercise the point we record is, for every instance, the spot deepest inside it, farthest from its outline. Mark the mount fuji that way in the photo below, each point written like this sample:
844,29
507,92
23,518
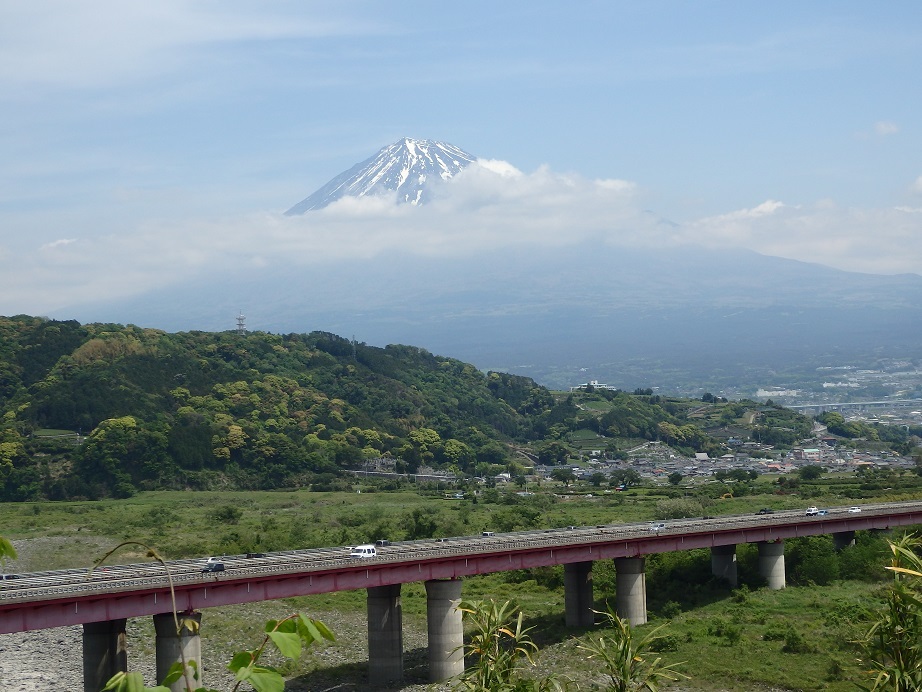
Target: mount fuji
407,168
561,312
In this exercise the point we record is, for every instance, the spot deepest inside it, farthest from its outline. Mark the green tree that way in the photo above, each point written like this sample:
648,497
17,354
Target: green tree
120,452
553,452
564,475
427,443
597,478
625,477
675,478
810,473
627,660
893,645
678,508
458,453
227,514
813,559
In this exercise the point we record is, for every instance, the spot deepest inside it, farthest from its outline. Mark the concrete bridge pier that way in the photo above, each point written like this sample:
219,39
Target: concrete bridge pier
723,563
105,652
771,563
446,630
173,647
577,593
631,589
385,635
843,539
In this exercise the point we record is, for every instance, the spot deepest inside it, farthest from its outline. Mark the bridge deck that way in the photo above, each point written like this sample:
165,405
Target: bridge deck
67,597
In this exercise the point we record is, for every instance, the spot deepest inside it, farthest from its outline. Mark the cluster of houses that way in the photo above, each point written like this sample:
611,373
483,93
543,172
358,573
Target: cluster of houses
656,461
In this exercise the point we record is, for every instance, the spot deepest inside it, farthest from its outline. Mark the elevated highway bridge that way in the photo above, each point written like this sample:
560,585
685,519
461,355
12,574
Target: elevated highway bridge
103,599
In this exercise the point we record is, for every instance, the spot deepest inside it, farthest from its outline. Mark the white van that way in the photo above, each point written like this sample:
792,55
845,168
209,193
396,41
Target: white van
364,551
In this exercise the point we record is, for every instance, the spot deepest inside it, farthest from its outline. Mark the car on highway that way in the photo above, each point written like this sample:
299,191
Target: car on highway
5,577
811,512
213,564
854,510
363,551
766,510
657,526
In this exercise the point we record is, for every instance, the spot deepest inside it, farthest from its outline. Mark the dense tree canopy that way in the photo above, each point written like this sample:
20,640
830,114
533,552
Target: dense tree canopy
101,410
256,410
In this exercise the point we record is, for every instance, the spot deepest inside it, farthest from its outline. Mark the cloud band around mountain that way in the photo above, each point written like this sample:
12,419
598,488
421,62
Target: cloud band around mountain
484,208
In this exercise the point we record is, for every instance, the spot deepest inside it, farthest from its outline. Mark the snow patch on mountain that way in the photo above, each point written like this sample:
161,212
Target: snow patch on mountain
407,167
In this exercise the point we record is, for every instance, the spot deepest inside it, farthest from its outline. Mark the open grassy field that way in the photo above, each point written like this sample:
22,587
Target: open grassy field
185,524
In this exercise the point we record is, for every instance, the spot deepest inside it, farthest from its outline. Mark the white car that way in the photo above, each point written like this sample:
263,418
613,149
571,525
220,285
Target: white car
213,564
812,511
364,551
854,510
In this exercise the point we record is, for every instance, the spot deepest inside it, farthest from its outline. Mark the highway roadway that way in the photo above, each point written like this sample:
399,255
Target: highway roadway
186,573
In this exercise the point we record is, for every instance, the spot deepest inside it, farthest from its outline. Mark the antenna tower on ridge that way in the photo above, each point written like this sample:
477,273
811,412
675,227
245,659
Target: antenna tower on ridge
241,324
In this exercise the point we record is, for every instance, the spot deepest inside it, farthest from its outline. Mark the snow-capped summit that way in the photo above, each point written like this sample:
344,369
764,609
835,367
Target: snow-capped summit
404,167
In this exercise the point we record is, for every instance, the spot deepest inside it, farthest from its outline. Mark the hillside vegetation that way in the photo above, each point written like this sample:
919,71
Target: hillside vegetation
105,410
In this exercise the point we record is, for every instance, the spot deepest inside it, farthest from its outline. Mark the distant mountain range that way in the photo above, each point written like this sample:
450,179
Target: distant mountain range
632,317
408,168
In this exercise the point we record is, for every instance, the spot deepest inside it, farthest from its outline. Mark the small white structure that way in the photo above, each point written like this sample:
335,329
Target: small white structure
364,551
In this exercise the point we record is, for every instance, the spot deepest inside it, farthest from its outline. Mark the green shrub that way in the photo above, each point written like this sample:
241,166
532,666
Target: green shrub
776,633
794,643
671,610
227,514
812,560
668,642
835,671
722,629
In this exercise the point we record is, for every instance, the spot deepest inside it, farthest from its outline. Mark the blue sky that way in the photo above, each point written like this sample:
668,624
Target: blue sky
141,143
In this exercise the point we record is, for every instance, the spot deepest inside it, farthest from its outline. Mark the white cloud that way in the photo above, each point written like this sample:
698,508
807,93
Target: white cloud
103,42
917,185
881,241
477,212
58,243
885,128
503,168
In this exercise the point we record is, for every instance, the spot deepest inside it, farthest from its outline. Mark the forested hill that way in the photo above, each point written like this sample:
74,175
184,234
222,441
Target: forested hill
101,410
198,410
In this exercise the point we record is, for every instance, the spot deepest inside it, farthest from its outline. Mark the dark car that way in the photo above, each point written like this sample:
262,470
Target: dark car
766,510
250,556
213,567
4,577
